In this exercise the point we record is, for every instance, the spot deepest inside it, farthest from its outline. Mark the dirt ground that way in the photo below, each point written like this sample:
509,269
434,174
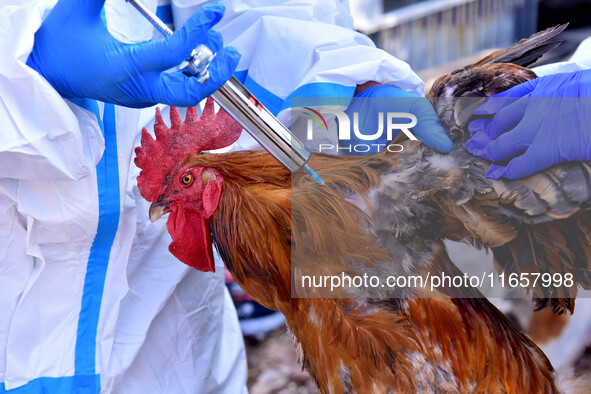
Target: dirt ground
273,367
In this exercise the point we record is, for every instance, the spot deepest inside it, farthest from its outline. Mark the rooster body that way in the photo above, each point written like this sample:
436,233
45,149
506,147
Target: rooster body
386,214
402,344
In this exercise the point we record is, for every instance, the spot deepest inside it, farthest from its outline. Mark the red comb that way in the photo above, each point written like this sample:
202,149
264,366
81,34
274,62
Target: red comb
156,158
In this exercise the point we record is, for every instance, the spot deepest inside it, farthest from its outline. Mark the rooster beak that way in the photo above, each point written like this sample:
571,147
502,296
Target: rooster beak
157,209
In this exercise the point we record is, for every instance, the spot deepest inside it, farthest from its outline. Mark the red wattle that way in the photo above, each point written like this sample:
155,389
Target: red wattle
191,239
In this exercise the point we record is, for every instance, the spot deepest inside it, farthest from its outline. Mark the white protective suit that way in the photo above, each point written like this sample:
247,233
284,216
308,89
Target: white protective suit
91,299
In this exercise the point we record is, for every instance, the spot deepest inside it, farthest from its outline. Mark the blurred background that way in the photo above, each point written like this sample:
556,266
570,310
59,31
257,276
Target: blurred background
436,37
431,33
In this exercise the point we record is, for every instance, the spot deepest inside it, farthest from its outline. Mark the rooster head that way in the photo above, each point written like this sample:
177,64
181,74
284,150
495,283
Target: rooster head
190,194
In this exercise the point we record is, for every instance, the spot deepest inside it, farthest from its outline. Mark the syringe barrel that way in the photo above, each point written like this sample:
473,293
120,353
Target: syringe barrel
261,124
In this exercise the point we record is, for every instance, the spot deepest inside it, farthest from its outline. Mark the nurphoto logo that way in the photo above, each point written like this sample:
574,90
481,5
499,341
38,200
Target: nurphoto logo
371,140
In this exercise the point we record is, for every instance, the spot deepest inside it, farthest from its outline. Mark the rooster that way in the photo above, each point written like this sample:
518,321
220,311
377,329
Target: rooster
389,214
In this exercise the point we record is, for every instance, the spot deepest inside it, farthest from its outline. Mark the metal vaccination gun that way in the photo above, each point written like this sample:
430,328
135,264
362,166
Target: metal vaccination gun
243,106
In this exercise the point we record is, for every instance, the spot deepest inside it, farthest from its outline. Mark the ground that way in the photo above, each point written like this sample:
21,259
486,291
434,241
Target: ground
273,368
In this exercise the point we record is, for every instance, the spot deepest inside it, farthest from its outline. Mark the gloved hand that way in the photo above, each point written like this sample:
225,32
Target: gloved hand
428,129
537,124
78,56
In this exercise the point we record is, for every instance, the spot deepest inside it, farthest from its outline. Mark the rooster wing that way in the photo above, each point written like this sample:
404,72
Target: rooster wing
539,224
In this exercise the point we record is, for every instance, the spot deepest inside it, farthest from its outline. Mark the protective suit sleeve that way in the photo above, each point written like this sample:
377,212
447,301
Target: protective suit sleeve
580,60
279,60
44,137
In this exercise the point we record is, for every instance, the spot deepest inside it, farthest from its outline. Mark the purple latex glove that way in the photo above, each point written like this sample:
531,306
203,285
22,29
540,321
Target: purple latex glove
535,125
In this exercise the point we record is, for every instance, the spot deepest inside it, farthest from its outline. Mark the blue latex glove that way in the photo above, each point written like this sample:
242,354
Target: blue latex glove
74,51
428,129
537,124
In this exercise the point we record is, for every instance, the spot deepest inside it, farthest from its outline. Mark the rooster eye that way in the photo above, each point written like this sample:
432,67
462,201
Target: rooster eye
187,179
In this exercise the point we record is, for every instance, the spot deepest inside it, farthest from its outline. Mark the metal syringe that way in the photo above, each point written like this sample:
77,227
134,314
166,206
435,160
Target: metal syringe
243,107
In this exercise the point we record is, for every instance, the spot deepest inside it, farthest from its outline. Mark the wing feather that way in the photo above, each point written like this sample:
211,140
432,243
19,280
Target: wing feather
539,224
